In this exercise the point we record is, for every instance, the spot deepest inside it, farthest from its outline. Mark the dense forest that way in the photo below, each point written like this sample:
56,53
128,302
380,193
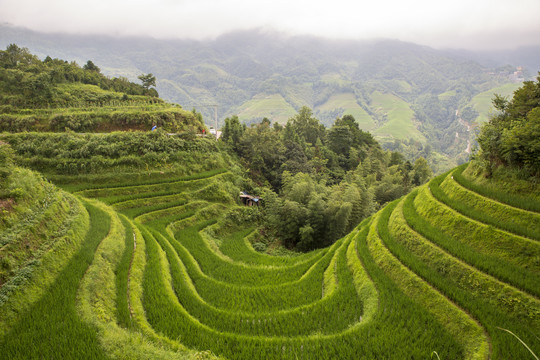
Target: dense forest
327,179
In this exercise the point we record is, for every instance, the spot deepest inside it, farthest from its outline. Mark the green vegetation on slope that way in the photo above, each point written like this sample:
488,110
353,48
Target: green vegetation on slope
511,138
171,266
328,180
54,95
482,102
68,336
97,154
161,263
261,106
346,104
236,70
397,118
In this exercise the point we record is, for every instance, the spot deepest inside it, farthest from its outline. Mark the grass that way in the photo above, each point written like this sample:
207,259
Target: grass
162,270
502,217
513,254
456,321
482,102
55,313
496,190
123,314
487,263
273,107
490,301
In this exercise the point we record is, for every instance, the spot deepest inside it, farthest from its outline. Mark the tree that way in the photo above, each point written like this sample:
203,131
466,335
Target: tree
147,80
422,171
306,126
90,66
340,139
14,56
233,131
263,152
511,137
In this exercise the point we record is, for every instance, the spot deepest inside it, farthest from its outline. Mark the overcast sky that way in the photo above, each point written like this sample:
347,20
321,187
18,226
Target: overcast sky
472,24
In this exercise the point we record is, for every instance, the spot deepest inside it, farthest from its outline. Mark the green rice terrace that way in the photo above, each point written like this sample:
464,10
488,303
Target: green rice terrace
161,265
134,244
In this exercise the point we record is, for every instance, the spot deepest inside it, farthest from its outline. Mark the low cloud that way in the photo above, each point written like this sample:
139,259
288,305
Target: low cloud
484,24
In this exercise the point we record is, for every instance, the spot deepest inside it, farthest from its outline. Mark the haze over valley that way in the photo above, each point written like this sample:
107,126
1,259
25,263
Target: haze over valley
401,92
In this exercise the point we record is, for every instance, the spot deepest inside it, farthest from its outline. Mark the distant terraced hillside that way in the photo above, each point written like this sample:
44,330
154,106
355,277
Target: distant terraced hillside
163,264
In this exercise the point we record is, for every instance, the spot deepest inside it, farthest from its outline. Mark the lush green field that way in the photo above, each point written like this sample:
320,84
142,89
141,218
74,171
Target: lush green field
109,114
482,101
399,118
274,107
163,267
349,104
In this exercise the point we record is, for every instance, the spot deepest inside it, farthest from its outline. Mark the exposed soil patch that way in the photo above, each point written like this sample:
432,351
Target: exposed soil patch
7,204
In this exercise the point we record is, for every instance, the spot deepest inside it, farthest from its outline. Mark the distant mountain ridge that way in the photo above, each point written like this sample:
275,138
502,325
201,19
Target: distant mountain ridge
399,91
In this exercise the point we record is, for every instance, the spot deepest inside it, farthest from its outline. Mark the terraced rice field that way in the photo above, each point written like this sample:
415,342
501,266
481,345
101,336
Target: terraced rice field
159,274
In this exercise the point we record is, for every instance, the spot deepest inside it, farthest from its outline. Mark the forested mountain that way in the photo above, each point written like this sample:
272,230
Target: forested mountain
413,98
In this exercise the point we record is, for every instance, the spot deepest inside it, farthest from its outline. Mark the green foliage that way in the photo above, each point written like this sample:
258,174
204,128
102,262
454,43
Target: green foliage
487,299
511,138
105,119
54,95
90,66
512,192
27,82
457,322
6,164
147,80
94,153
327,180
232,132
179,267
492,285
489,212
55,315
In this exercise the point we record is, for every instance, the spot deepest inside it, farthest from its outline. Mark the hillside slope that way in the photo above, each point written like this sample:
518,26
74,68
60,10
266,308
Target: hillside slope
166,264
260,74
54,95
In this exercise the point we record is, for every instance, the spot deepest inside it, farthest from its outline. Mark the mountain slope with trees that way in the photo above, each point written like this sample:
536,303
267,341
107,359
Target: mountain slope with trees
323,181
511,138
260,74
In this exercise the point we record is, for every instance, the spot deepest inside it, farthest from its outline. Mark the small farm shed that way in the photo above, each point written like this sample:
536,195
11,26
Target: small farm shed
249,200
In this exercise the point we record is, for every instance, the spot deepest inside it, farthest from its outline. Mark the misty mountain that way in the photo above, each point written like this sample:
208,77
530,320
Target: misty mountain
402,92
527,57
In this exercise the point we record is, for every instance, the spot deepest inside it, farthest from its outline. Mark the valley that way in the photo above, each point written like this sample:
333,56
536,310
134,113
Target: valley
398,91
125,232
